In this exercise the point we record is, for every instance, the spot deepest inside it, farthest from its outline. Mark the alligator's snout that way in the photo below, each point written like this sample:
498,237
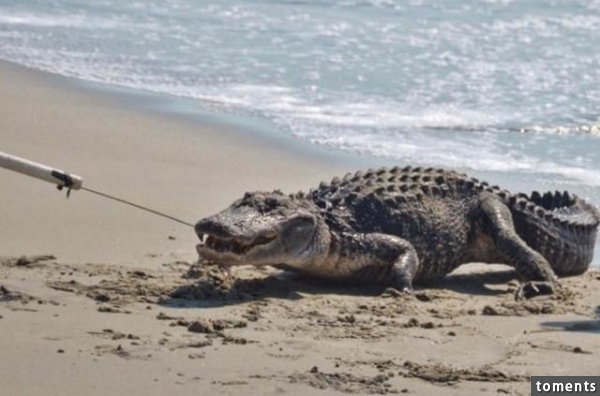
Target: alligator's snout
212,226
227,239
234,222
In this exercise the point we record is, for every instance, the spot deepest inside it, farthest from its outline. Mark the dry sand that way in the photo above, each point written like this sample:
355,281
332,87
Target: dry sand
97,298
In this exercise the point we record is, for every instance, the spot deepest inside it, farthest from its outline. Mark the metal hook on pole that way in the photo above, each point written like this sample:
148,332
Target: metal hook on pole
61,178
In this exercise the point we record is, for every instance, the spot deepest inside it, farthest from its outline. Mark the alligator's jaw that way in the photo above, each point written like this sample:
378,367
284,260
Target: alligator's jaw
229,251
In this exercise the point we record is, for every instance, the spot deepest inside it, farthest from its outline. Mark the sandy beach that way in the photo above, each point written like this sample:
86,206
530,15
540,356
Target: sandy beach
97,298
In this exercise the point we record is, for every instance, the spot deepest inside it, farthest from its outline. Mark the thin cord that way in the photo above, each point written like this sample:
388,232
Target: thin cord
137,206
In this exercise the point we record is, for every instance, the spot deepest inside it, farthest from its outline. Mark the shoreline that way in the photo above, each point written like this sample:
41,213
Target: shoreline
187,110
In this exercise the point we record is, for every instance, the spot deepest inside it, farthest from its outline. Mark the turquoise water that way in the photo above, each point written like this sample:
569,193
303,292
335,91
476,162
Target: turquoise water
508,90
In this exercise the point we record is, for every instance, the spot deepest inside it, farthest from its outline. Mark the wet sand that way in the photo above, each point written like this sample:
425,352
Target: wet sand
97,298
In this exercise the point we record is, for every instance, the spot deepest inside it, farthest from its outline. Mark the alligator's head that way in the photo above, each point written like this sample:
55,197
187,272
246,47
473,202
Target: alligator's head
264,229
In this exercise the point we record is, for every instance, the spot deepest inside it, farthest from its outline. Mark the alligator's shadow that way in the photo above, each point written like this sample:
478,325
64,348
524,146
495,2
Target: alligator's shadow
286,286
588,326
479,283
201,293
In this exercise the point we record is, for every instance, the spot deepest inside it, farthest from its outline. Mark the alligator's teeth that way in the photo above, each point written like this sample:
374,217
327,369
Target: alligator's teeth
210,241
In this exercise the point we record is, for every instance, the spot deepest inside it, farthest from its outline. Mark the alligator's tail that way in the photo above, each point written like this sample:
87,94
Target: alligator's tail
560,226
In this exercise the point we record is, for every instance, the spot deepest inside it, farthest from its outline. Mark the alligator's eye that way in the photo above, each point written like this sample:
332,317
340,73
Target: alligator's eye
301,227
298,229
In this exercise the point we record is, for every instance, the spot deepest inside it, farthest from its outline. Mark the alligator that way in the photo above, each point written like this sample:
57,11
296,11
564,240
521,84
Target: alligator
405,226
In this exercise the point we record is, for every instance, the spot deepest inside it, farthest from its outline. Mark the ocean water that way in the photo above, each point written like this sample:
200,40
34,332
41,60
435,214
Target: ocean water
508,90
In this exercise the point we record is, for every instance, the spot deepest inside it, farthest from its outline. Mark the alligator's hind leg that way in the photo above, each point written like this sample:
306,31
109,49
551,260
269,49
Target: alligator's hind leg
379,258
497,222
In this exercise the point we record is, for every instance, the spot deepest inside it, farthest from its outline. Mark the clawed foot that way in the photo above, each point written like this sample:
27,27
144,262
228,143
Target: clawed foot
394,292
535,288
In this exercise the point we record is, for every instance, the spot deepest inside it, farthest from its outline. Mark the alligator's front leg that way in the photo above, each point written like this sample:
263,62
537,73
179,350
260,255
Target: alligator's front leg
378,258
533,267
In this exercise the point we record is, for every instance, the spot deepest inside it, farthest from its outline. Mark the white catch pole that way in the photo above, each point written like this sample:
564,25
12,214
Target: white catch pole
40,171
